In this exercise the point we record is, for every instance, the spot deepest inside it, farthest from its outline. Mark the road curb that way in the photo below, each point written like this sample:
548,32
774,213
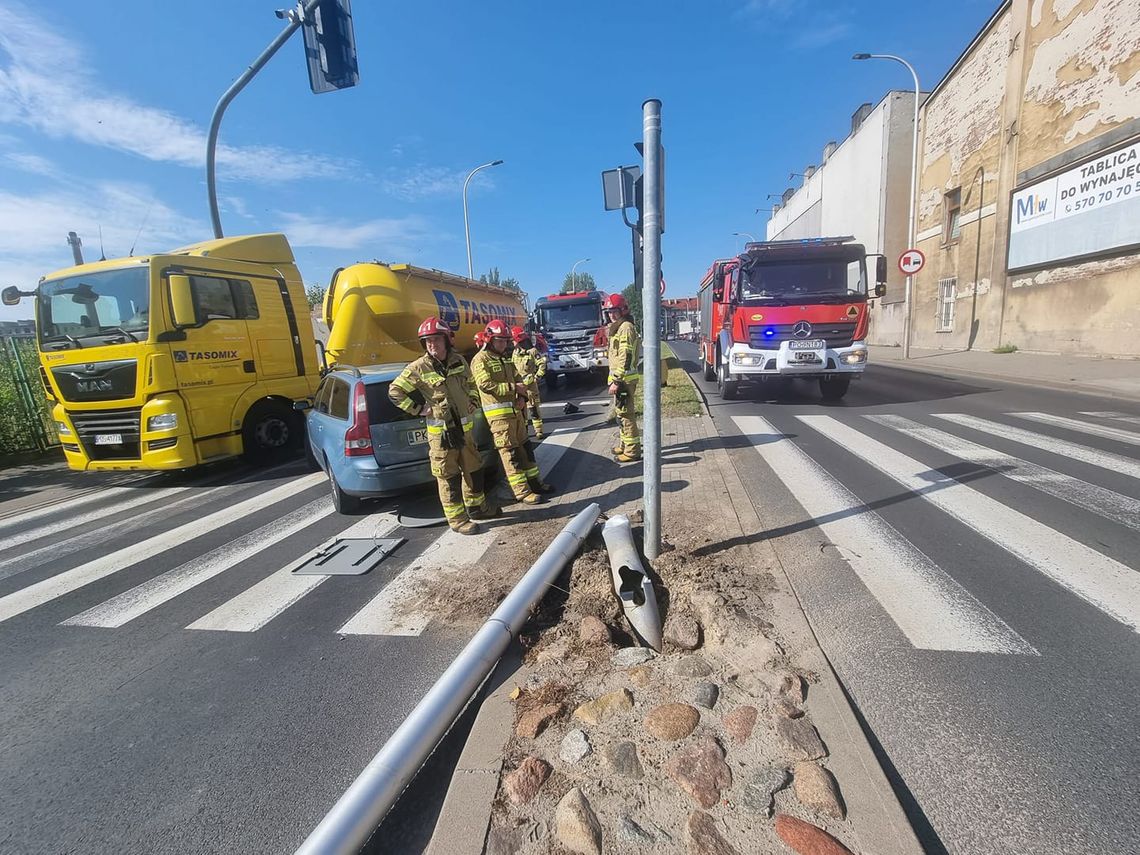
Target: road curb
463,821
1052,385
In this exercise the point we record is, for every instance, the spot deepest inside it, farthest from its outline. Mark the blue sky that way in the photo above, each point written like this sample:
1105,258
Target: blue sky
103,114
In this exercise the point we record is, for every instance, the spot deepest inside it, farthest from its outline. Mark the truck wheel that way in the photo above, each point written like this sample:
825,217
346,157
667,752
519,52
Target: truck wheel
342,502
710,371
270,431
833,389
728,388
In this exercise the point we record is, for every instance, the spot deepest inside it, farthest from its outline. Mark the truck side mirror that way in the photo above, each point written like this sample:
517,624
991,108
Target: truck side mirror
881,289
182,301
10,296
881,272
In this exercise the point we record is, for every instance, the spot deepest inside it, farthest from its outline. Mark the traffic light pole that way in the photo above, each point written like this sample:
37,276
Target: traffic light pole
651,304
296,18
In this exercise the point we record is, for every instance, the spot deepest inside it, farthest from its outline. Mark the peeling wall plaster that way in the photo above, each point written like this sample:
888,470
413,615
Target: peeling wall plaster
966,292
967,110
1094,43
1078,271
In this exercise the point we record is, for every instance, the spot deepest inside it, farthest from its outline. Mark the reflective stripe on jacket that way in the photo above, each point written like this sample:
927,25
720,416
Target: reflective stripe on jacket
447,388
495,378
624,351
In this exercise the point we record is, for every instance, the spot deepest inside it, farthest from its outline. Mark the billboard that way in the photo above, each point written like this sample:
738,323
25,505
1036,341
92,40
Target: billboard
1086,210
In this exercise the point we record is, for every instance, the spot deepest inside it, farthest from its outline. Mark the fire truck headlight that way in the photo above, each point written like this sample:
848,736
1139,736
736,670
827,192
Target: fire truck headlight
163,421
855,357
745,359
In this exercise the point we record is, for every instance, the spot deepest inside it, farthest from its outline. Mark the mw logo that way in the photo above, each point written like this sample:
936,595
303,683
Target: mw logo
1032,206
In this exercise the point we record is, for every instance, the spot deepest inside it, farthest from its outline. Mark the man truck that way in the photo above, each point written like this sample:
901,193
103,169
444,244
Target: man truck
570,323
788,309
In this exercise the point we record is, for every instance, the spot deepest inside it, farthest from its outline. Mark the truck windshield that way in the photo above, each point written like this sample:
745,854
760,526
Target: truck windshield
573,316
811,281
106,307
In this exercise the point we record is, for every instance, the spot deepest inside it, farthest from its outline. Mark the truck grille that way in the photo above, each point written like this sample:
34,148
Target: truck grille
90,423
837,334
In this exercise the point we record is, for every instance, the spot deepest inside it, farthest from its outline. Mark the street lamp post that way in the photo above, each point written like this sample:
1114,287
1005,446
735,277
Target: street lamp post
913,189
744,235
466,224
574,273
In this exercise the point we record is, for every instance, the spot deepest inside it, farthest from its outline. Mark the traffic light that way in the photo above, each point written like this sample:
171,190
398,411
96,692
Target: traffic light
330,47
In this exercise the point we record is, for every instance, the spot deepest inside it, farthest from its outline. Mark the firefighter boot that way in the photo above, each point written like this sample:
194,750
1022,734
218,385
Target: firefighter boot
467,526
486,511
627,456
532,499
537,485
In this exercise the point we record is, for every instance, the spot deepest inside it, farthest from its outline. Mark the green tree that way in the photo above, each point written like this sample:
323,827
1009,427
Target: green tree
316,295
492,277
632,296
578,282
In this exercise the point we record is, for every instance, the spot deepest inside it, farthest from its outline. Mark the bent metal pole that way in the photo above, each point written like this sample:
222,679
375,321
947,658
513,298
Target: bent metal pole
295,21
356,815
651,305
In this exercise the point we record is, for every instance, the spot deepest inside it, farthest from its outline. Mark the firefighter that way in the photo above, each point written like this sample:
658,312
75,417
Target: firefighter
439,386
530,365
624,354
503,397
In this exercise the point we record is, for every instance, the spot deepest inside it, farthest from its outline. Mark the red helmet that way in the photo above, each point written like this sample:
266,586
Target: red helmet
615,302
496,329
518,334
540,343
480,339
434,326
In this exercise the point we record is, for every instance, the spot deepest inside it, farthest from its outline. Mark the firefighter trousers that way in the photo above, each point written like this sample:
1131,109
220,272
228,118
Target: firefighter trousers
534,409
459,476
629,436
516,452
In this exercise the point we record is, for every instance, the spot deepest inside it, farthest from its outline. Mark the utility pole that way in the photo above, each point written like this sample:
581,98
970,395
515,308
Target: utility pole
651,304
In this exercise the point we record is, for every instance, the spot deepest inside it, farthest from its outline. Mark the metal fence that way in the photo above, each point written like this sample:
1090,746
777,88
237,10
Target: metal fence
25,418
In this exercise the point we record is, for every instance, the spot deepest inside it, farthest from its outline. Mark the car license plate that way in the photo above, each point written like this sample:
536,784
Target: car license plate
417,436
808,344
108,439
809,356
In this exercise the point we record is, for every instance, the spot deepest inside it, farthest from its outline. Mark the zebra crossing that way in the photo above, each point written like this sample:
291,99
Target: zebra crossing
929,607
61,540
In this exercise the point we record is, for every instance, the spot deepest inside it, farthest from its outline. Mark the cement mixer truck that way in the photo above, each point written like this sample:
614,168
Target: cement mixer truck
373,310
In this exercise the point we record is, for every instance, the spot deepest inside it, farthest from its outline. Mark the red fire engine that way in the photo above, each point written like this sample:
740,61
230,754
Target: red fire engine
788,309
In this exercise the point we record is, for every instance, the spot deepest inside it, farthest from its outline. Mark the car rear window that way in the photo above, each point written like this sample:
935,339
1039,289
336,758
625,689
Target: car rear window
380,407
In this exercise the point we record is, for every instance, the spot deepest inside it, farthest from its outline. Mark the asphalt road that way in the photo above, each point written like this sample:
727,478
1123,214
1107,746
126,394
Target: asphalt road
168,685
967,554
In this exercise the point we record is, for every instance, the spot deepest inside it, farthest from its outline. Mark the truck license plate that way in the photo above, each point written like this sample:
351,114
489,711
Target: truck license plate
808,344
108,439
417,436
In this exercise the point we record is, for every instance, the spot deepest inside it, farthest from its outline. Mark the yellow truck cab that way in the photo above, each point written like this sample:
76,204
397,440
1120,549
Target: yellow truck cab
178,359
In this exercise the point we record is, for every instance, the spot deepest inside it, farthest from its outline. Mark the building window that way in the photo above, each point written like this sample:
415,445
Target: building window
952,220
946,293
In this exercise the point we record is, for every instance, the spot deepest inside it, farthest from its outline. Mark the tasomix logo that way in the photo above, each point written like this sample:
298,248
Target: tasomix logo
453,312
195,355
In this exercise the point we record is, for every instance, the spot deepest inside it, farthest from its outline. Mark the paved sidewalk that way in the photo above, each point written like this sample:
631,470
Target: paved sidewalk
1118,378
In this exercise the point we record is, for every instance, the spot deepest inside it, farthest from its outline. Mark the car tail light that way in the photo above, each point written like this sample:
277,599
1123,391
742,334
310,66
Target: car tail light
358,438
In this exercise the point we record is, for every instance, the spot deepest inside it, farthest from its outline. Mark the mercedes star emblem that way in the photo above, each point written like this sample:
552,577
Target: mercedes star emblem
802,329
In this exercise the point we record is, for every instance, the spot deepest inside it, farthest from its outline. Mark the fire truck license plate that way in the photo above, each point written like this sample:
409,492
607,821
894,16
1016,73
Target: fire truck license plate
108,439
807,344
417,436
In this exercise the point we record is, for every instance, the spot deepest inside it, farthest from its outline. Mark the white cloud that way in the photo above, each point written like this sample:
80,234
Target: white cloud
44,85
32,163
382,238
426,182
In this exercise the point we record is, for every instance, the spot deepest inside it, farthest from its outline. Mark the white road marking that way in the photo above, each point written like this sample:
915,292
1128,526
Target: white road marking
1101,581
1108,503
1119,417
134,496
1117,434
931,609
256,606
69,580
1060,447
392,611
587,403
154,592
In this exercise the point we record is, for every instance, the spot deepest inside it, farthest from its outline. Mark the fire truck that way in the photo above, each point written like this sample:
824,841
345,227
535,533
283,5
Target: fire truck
572,326
788,309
